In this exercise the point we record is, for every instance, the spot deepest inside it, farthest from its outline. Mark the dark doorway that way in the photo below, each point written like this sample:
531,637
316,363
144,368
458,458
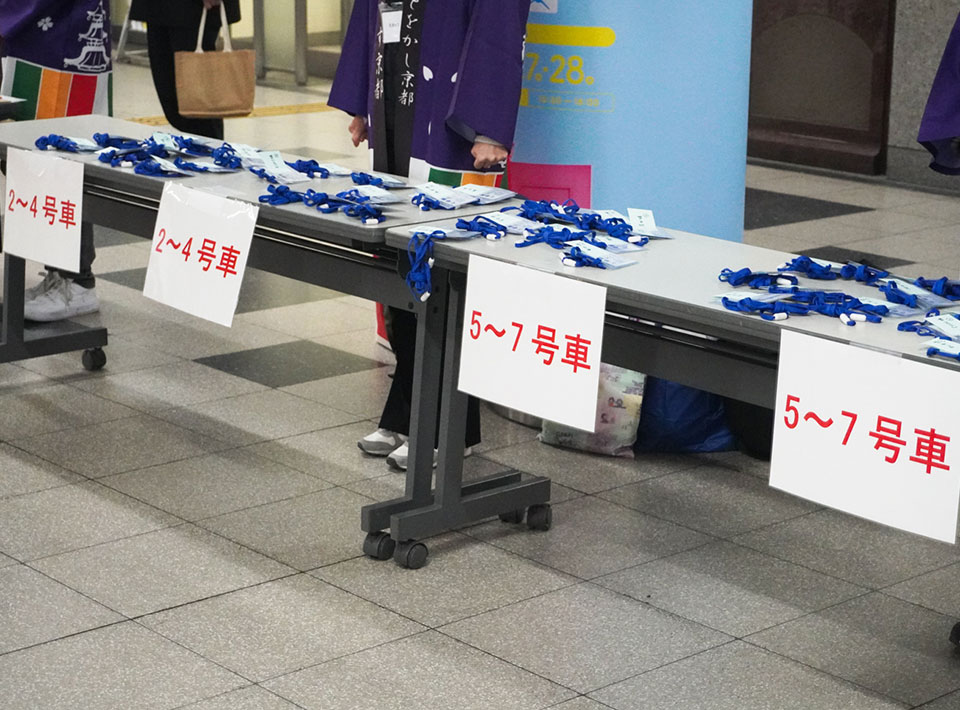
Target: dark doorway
820,82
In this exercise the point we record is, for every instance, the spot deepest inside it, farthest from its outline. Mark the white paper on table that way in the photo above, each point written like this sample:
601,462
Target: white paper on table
856,442
43,208
532,341
447,197
645,225
512,222
199,252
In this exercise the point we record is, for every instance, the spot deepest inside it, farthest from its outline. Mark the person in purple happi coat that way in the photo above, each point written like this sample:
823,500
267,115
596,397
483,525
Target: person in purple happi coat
940,127
67,41
435,91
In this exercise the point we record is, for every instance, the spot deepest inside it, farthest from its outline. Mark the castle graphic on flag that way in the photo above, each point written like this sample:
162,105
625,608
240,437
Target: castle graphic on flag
57,57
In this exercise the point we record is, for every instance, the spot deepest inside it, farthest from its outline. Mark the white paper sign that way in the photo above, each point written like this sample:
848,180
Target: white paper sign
868,433
44,208
199,252
532,341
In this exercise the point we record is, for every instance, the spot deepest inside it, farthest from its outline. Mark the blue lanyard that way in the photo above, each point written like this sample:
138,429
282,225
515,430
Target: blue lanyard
756,279
543,211
264,175
931,351
551,236
225,156
360,178
848,309
321,201
57,143
117,157
943,287
485,226
193,147
281,195
426,203
863,273
575,257
778,310
895,295
310,168
105,140
614,226
420,256
920,328
810,268
153,168
187,165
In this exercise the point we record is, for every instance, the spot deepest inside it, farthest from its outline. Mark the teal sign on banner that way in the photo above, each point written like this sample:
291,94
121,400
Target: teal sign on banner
629,104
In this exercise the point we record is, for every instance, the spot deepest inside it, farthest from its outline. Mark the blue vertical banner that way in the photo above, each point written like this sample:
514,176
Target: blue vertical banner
638,104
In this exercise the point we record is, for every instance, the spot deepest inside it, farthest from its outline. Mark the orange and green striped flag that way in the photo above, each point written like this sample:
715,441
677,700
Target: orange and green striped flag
49,93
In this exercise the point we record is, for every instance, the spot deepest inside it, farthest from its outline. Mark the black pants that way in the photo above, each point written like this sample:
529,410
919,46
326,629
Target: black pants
396,411
88,253
162,42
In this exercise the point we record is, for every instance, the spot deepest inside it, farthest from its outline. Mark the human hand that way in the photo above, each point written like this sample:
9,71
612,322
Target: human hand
358,129
210,4
488,155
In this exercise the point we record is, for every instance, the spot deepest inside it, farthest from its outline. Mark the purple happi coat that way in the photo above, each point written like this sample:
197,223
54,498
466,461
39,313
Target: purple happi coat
455,74
56,56
940,127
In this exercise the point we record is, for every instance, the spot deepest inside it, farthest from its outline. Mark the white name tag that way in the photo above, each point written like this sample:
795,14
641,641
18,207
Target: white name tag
946,324
392,21
514,223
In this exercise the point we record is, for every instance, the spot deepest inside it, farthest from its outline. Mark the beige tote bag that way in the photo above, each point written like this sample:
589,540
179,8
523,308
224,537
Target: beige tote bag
215,84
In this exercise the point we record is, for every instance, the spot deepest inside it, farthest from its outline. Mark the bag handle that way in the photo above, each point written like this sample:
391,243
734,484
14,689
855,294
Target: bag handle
227,43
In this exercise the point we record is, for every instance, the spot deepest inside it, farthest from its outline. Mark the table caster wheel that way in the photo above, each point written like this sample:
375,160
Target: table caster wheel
410,554
379,545
514,517
539,517
93,359
955,635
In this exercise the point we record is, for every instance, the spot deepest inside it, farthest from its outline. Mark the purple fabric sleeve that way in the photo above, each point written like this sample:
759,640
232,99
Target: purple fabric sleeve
940,125
351,85
487,94
16,14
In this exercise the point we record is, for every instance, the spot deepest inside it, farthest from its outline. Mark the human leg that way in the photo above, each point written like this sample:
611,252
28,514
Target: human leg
65,294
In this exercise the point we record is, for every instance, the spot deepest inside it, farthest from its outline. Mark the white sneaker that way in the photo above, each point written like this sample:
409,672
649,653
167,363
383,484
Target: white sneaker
398,459
50,280
64,300
381,442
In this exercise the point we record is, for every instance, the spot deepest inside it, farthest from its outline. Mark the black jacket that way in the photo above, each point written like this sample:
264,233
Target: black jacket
179,13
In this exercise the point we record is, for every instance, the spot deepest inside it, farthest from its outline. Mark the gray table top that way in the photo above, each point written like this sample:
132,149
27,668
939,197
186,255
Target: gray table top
675,282
242,185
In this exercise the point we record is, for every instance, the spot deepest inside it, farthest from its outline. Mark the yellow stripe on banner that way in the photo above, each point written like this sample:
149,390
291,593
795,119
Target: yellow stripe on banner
261,112
571,35
524,97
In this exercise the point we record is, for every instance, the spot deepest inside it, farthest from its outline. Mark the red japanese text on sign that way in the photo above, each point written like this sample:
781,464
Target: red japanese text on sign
930,445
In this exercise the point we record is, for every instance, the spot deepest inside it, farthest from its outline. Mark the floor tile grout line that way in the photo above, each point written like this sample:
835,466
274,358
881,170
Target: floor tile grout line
576,692
29,647
342,656
919,605
859,583
224,694
864,688
675,661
